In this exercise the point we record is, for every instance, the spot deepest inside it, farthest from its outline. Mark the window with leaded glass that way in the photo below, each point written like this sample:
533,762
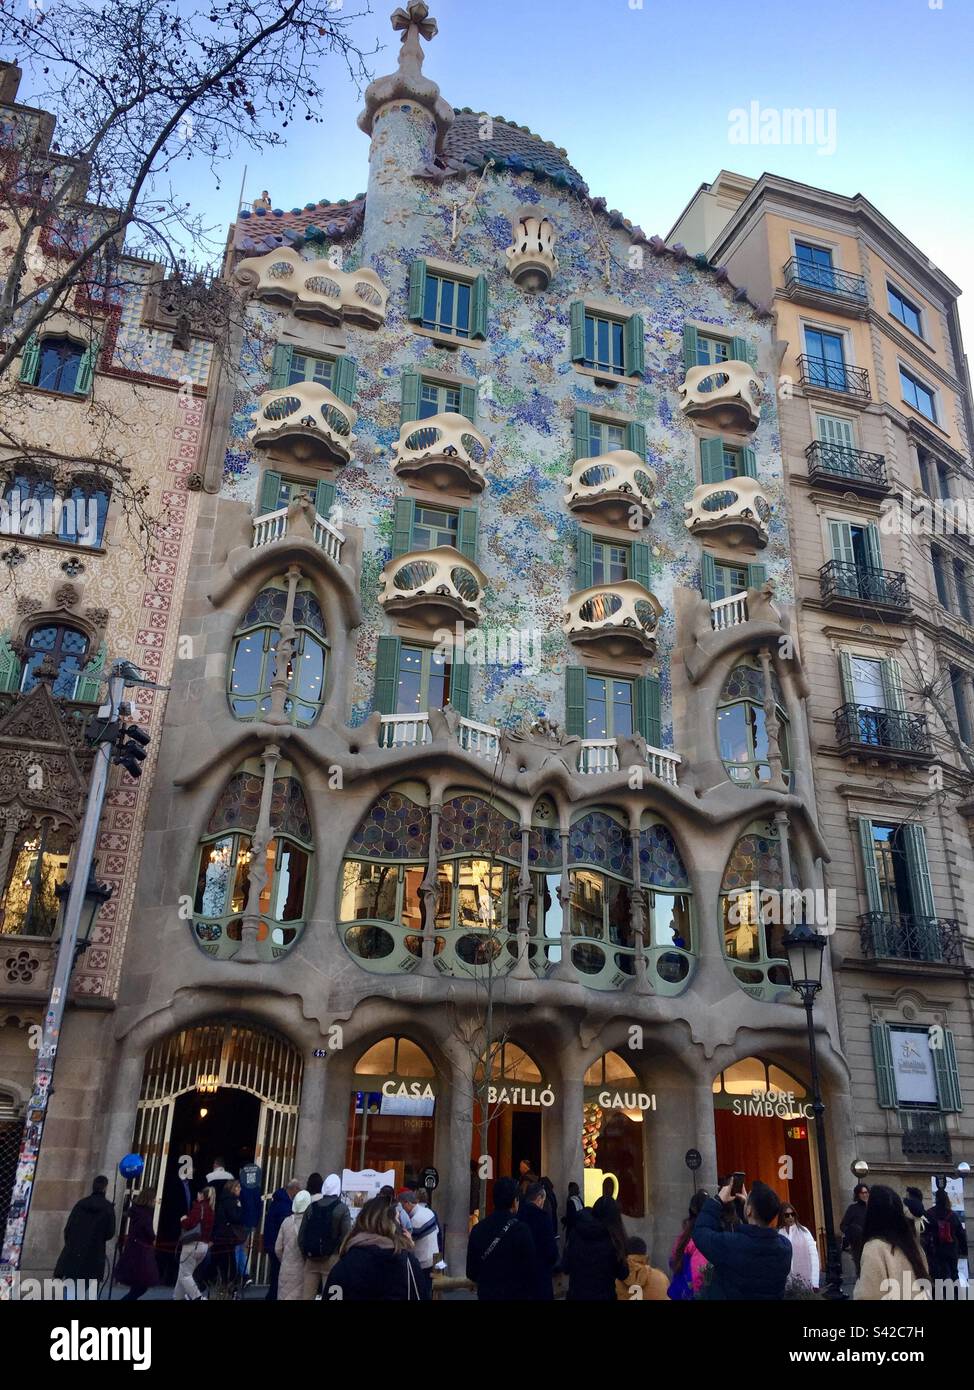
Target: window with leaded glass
57,648
37,869
253,662
742,733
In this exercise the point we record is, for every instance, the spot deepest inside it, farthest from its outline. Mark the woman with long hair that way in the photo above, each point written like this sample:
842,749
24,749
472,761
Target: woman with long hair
891,1255
804,1251
946,1238
194,1242
138,1267
687,1264
596,1256
376,1263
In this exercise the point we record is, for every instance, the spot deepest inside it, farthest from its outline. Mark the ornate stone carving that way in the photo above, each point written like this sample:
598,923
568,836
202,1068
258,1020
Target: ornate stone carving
409,83
531,259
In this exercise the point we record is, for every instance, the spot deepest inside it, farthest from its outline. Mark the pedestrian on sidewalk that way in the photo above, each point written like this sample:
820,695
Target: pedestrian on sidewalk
279,1208
804,1250
852,1223
88,1229
947,1238
531,1210
425,1231
138,1267
500,1251
686,1262
752,1262
644,1283
325,1225
287,1249
194,1242
890,1254
596,1255
377,1263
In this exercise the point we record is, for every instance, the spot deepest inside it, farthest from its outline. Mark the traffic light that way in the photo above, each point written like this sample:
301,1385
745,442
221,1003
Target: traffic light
131,748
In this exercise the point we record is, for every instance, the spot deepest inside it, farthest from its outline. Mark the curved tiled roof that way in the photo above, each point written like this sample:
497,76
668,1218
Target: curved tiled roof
510,146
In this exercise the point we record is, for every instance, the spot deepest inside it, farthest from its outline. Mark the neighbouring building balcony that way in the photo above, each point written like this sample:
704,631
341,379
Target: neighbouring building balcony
726,395
886,733
307,420
273,526
836,465
616,488
924,1135
437,586
735,509
616,620
904,936
803,279
315,290
443,452
855,588
821,374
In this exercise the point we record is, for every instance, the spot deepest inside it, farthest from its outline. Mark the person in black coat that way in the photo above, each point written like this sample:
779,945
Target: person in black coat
532,1210
946,1239
751,1263
375,1264
87,1231
138,1267
501,1251
596,1254
853,1222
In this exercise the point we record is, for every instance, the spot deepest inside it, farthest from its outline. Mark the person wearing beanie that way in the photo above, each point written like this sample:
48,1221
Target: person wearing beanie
290,1279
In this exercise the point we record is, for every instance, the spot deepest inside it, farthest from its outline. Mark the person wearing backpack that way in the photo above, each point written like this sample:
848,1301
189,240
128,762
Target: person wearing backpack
325,1225
500,1251
947,1238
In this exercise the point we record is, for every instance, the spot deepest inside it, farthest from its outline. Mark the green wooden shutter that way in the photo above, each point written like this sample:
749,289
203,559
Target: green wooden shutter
577,319
460,672
30,360
948,1079
840,539
343,378
636,438
708,577
575,701
690,336
921,891
832,429
648,720
892,684
583,433
739,350
874,898
409,409
757,576
634,345
270,491
417,289
86,368
467,532
585,560
386,675
88,686
402,526
711,460
874,549
747,462
641,563
468,403
883,1064
846,678
478,308
324,498
281,365
9,665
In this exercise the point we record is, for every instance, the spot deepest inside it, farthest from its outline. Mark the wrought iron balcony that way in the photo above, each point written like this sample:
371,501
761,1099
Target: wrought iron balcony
904,936
735,509
437,586
315,290
844,584
616,488
893,731
825,279
924,1135
273,526
849,468
726,395
444,452
531,259
307,421
613,619
823,375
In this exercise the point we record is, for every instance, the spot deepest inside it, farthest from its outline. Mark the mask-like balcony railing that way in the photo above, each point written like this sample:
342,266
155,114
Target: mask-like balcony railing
726,395
600,755
736,510
616,488
614,619
825,279
845,584
438,585
273,526
306,419
531,259
849,468
924,1135
315,290
444,452
879,731
904,936
824,375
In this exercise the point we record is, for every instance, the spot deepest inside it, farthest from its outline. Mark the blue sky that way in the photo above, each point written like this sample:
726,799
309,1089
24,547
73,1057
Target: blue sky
640,98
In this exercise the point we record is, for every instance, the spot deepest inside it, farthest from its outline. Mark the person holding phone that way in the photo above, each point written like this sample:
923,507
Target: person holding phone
751,1263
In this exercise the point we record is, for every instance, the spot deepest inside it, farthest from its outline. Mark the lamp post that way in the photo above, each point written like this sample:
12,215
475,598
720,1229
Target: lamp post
96,896
805,949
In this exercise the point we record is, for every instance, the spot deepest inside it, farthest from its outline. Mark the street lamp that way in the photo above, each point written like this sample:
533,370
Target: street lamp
96,896
805,951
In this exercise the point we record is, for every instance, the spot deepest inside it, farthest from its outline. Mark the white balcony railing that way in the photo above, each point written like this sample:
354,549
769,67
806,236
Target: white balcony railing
307,418
272,526
728,612
601,755
315,290
482,740
405,730
728,393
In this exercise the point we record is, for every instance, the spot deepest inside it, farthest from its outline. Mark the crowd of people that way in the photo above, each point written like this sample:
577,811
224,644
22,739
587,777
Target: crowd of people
742,1246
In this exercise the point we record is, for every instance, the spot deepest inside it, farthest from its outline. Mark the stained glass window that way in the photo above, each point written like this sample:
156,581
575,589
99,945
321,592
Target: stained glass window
394,828
660,862
598,839
468,824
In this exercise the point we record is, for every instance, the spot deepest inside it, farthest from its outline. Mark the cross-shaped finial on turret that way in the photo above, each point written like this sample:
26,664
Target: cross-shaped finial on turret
414,21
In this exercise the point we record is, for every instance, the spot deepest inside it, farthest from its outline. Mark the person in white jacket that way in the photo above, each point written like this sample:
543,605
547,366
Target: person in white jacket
425,1230
804,1251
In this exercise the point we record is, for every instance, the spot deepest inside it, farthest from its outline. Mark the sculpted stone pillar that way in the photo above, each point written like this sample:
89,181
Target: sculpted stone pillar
429,891
263,834
284,653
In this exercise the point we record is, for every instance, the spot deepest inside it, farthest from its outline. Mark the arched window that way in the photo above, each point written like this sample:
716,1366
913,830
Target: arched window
225,856
612,1134
59,365
59,648
752,916
38,866
670,943
742,733
253,662
600,911
391,1123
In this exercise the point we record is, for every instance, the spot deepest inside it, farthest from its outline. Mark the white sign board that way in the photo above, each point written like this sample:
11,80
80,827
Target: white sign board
955,1191
916,1080
359,1188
